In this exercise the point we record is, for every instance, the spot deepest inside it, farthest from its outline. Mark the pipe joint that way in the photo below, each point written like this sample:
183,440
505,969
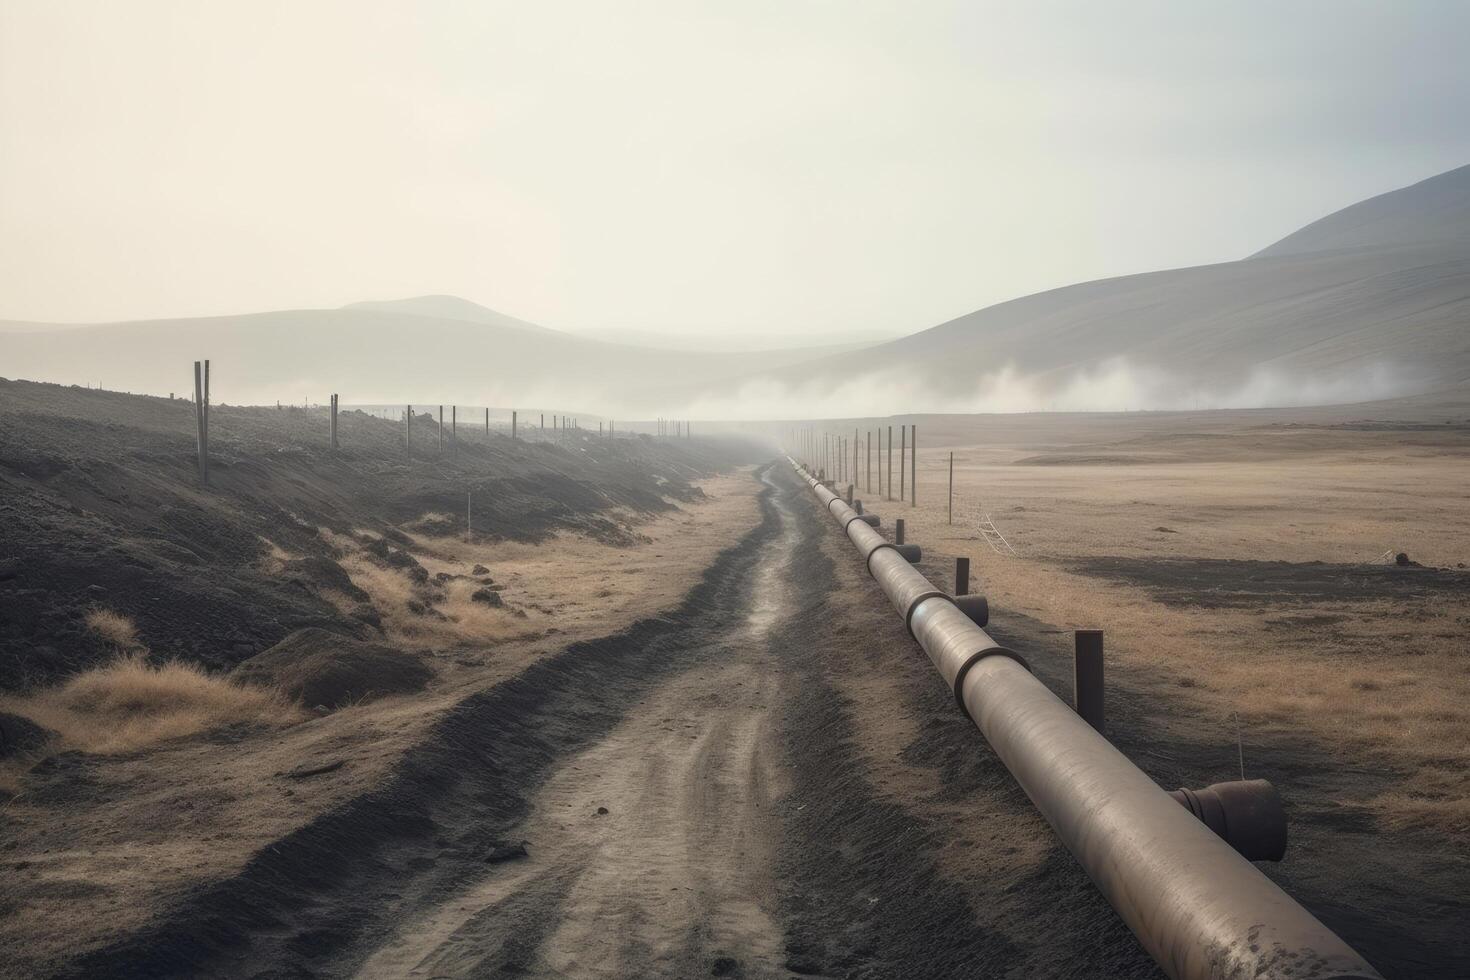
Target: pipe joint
972,660
908,614
911,552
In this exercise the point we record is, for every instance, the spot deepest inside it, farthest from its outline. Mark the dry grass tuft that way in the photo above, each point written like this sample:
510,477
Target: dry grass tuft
130,704
113,627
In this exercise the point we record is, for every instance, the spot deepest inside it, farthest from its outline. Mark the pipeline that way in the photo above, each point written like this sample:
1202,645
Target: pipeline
1199,908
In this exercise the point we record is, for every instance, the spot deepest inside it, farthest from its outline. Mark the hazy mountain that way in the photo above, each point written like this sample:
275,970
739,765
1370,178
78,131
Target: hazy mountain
428,349
445,308
818,345
1370,302
1433,210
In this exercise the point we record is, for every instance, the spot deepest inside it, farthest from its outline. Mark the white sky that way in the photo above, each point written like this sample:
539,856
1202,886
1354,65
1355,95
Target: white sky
691,168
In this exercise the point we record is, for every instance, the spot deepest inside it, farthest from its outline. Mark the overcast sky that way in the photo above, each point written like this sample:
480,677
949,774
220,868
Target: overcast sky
684,167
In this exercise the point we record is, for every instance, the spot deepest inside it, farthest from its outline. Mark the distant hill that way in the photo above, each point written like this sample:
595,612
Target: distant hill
428,349
1370,302
445,308
1433,210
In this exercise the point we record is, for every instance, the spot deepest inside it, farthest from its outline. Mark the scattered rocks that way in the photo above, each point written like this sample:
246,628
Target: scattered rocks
317,574
1404,561
479,570
1165,530
602,811
501,852
488,597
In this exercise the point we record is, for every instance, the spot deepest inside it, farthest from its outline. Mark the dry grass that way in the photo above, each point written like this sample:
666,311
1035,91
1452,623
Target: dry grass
130,704
569,584
1385,683
114,627
455,619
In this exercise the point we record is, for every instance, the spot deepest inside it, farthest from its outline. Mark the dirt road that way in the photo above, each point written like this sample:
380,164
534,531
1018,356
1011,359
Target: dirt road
767,781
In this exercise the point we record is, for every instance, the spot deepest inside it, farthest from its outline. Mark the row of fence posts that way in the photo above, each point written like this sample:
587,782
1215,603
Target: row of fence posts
838,454
1088,683
560,423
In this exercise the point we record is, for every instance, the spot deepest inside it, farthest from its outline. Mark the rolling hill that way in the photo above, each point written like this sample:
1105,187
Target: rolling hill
421,350
1370,302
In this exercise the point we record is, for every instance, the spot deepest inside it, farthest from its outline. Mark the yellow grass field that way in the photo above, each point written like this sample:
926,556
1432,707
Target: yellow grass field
1143,527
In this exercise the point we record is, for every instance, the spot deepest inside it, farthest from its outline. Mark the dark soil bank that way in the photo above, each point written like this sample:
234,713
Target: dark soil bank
1226,582
866,882
315,903
100,506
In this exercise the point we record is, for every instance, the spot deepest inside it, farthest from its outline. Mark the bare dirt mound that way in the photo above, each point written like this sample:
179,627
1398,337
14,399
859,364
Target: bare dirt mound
100,506
319,667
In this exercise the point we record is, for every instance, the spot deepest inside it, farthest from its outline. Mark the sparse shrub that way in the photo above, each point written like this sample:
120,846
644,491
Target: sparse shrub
114,628
130,704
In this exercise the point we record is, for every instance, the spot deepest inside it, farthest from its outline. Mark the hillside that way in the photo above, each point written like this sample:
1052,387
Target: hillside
1433,210
446,308
430,349
1371,302
1368,303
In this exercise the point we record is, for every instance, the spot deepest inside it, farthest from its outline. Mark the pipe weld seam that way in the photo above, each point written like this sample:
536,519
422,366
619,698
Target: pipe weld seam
868,561
975,658
848,523
908,615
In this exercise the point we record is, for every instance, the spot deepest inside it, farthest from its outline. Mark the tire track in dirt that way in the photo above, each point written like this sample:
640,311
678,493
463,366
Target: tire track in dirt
320,900
651,849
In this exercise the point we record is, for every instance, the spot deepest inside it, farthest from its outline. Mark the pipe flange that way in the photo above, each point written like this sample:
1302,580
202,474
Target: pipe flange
908,616
975,658
868,561
834,500
848,523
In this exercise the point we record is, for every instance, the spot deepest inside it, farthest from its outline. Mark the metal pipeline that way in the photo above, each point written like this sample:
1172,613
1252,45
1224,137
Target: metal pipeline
1199,908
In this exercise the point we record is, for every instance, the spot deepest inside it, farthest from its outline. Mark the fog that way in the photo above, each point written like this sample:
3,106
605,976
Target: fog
1113,386
688,169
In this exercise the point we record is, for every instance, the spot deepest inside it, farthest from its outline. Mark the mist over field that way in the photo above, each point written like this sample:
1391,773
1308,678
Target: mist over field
1368,303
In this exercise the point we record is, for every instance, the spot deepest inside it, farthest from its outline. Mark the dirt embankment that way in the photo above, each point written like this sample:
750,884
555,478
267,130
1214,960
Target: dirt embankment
100,507
115,561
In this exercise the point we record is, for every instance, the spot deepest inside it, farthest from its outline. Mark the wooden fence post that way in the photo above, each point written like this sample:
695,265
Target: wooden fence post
199,423
1087,678
914,466
206,420
408,432
513,424
903,439
951,487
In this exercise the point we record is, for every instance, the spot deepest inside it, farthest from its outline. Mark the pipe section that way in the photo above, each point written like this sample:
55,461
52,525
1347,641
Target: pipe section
1247,813
1199,908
